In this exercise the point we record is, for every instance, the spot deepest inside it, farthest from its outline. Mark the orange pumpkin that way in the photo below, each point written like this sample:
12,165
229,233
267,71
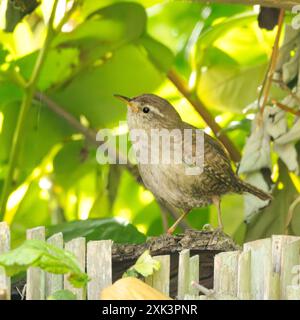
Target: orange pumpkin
131,289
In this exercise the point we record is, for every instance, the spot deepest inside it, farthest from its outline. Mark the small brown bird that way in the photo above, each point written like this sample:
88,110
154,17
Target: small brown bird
169,182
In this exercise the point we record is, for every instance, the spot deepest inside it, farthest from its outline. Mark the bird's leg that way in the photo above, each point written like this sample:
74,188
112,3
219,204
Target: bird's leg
172,229
217,232
217,202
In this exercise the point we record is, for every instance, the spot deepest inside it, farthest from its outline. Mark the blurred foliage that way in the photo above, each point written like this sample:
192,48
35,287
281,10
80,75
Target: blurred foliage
108,47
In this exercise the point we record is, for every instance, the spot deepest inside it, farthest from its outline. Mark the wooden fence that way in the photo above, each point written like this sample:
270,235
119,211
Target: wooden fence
264,269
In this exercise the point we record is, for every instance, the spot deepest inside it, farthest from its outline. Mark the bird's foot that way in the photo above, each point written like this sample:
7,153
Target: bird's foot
170,231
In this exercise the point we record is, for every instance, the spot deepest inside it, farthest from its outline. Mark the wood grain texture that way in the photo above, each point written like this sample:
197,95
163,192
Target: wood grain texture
261,268
78,248
226,273
54,282
290,259
160,280
99,267
183,274
4,247
35,287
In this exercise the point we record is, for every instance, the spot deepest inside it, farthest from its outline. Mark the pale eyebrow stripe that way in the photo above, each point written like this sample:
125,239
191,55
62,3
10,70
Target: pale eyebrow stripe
155,110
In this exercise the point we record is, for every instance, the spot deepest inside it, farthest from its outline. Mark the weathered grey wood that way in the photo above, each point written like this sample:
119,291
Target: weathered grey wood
35,284
54,282
226,273
78,248
4,247
194,275
160,280
293,293
278,242
261,268
244,274
99,267
183,274
290,258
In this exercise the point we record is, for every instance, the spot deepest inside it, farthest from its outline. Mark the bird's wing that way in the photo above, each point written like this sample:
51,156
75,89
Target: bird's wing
217,164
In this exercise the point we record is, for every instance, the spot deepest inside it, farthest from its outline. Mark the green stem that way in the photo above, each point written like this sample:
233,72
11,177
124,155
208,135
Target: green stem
25,106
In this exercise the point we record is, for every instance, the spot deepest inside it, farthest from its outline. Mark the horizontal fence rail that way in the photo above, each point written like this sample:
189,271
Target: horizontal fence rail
263,270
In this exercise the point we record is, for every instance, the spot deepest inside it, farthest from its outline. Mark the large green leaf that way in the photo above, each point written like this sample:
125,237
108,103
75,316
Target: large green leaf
127,72
228,76
73,161
98,229
105,30
161,56
225,84
36,253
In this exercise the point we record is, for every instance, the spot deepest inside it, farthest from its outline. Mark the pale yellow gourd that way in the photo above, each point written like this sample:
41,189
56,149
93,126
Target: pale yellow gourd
132,289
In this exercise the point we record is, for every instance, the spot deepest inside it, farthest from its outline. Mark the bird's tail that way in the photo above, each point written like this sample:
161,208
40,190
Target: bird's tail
247,187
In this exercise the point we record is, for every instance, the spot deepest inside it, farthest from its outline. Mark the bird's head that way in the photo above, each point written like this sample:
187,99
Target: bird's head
149,110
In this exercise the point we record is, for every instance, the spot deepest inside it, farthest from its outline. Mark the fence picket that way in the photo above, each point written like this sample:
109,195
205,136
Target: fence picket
290,258
183,274
194,274
244,273
4,247
54,282
160,280
226,273
99,267
261,268
78,248
35,284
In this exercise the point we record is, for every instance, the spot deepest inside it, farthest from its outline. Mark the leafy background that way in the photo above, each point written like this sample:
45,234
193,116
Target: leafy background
107,47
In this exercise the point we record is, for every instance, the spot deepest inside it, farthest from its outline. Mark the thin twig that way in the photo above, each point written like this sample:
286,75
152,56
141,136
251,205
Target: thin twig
202,289
271,70
286,108
194,100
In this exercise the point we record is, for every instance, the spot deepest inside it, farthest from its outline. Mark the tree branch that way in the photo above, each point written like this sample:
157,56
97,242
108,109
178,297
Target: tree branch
194,100
285,4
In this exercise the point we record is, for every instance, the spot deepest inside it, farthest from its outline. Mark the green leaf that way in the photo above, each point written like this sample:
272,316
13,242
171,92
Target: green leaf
145,266
224,84
36,253
98,229
43,130
105,30
161,56
73,161
58,67
62,295
97,85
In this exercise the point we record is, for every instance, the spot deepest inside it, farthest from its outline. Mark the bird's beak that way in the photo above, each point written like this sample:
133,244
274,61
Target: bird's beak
128,101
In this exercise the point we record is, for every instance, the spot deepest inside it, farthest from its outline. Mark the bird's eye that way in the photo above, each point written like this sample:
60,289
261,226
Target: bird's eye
146,109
